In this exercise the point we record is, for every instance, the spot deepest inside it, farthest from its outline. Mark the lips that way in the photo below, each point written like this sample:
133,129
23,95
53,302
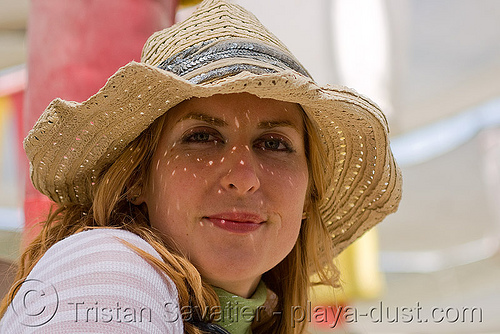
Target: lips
236,222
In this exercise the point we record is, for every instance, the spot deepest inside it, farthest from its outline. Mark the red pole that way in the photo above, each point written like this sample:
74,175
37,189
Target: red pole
74,46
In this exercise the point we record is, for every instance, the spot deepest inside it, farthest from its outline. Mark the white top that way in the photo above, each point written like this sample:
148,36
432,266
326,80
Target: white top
91,282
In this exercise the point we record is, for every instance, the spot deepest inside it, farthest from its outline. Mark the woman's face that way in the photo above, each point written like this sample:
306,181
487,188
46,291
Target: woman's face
227,185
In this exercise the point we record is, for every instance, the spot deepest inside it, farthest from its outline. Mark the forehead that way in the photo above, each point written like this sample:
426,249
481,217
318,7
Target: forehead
230,109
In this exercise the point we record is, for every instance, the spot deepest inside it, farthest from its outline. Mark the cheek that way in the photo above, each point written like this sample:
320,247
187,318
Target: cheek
290,179
175,186
287,190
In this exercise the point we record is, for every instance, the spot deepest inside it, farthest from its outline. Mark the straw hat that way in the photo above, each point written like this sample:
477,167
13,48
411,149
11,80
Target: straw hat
221,48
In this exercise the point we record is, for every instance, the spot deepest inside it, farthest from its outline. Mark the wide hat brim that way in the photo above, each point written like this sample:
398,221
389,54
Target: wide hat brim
72,142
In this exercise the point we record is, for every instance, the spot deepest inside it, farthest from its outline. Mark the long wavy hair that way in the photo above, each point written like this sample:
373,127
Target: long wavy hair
290,280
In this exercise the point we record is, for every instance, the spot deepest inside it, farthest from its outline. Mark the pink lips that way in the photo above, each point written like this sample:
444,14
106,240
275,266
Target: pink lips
236,222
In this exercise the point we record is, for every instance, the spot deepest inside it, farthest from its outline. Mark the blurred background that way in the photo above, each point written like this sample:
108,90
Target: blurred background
434,68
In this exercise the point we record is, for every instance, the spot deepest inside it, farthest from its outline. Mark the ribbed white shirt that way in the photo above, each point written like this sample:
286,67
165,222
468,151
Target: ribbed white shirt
91,282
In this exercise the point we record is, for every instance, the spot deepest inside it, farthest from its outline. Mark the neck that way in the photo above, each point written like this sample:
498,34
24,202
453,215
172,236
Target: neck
243,289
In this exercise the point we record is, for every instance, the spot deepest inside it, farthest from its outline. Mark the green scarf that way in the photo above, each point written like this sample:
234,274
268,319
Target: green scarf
237,313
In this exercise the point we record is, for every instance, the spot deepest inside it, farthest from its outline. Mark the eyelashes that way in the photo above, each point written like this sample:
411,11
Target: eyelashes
202,136
274,143
266,142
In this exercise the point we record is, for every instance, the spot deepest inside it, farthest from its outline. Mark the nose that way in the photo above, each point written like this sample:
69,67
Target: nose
242,174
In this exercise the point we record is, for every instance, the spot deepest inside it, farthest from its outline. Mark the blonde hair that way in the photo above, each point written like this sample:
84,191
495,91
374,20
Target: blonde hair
110,208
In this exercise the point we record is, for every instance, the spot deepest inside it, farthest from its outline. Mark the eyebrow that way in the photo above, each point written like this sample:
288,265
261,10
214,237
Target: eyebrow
276,124
205,118
220,122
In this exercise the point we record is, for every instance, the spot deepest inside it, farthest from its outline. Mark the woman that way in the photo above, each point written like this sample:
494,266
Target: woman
200,189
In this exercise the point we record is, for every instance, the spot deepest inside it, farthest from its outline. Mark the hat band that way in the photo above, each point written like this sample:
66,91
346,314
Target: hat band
244,55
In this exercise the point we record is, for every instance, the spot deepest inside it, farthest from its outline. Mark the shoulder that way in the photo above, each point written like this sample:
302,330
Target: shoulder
95,280
101,256
100,237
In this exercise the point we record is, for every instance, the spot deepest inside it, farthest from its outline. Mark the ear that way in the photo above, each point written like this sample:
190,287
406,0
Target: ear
137,200
135,195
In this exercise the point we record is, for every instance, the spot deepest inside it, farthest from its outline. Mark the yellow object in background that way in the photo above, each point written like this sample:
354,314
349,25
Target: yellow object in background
188,3
360,276
6,115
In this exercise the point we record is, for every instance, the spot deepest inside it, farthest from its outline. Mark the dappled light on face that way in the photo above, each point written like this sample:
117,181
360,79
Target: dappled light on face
227,167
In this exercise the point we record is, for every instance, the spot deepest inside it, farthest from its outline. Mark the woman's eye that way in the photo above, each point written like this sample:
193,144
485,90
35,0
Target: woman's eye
201,136
274,144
